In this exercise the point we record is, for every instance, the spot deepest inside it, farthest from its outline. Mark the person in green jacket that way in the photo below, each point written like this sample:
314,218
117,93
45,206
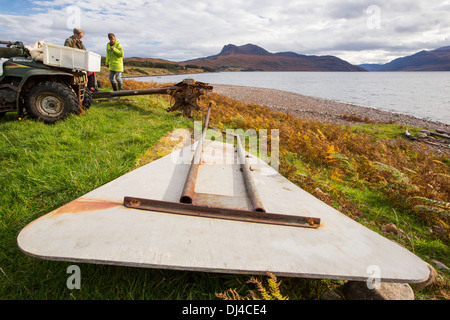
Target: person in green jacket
114,62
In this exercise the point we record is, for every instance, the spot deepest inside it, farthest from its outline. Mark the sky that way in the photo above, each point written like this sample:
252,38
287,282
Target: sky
358,31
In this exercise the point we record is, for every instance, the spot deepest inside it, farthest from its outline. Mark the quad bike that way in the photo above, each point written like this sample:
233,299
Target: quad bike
43,92
52,93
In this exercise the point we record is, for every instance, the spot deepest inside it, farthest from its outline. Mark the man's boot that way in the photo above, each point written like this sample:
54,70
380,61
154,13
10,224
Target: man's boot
114,86
120,86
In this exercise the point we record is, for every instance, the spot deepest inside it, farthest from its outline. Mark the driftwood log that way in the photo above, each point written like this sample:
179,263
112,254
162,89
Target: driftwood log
426,136
437,134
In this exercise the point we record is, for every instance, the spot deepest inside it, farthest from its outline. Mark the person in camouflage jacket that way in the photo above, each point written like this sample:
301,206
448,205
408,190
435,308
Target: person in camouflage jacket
75,40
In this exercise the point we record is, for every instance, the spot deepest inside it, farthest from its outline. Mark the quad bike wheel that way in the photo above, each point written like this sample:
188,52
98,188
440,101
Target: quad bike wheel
87,101
51,102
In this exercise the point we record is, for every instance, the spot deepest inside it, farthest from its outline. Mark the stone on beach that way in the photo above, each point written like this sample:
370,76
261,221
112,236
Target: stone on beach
319,109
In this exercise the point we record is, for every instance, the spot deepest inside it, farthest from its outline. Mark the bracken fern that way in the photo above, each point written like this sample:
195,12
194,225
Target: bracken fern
271,292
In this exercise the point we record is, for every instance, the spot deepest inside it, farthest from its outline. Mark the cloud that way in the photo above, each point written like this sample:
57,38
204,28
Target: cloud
347,10
182,30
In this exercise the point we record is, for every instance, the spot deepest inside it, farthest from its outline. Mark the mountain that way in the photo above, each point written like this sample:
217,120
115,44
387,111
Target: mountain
252,57
435,60
249,49
371,66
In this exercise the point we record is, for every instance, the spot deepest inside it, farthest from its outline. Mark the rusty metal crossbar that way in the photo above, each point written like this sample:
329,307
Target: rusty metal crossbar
221,213
186,204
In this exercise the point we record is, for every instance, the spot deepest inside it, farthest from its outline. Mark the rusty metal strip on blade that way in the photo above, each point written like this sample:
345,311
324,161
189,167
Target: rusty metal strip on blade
250,186
191,179
221,213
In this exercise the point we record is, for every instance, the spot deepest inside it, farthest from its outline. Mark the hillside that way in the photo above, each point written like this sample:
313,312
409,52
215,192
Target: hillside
135,66
252,57
434,60
152,60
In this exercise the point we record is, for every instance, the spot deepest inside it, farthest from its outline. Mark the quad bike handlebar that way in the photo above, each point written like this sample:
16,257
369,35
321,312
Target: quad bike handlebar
15,45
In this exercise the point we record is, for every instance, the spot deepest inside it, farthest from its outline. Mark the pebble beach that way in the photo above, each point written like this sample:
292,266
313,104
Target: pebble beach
322,110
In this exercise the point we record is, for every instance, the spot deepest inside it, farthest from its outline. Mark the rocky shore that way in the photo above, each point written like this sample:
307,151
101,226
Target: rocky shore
323,110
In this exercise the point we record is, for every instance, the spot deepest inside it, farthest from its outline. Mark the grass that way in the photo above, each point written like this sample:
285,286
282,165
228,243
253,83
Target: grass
385,131
46,166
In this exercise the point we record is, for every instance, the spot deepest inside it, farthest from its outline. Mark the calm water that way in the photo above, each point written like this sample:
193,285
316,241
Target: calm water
425,95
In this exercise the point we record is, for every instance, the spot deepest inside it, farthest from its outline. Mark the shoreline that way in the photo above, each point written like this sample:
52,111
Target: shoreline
319,109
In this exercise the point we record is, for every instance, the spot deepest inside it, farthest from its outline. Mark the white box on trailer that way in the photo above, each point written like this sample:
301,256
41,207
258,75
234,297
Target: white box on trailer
71,58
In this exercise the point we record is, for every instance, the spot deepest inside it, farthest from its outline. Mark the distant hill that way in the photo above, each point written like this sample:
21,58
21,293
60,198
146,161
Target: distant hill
252,57
371,66
435,60
152,60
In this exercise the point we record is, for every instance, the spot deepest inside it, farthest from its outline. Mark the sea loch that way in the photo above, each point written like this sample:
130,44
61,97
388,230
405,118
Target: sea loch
424,95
